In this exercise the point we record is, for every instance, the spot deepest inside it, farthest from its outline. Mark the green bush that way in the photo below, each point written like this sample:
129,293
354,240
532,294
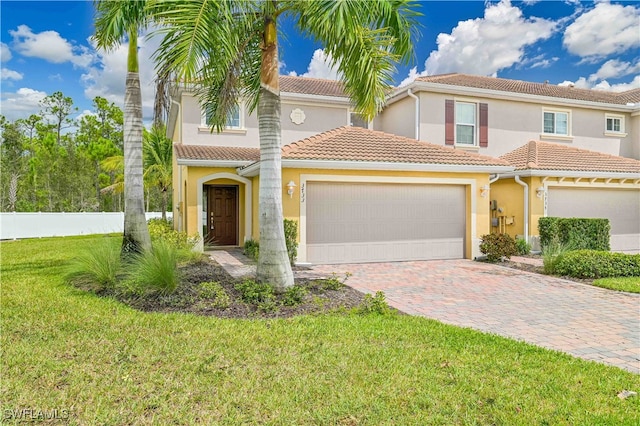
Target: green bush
552,254
96,269
214,291
291,239
523,247
375,305
580,233
598,264
162,230
254,292
157,269
251,249
293,295
498,246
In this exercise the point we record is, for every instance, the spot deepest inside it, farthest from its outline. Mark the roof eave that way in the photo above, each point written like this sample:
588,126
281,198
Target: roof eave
212,163
505,95
254,169
570,174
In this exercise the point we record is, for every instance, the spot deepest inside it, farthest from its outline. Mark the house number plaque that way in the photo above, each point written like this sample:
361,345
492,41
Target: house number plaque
303,193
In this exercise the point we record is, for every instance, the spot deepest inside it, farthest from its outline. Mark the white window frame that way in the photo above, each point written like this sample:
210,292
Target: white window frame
618,133
240,127
476,127
555,134
350,120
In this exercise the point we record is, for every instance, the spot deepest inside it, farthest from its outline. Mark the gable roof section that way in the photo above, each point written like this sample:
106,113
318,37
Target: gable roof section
312,86
530,88
547,156
210,155
362,145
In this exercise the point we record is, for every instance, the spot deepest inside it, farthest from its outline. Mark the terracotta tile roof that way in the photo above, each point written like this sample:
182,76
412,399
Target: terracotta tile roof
530,88
357,144
205,152
311,86
537,155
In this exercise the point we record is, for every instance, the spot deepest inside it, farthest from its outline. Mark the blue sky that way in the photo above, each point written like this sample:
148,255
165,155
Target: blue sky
46,48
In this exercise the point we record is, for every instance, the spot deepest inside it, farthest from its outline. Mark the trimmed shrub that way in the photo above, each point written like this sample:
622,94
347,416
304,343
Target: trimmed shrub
552,253
251,249
523,247
162,230
580,233
291,239
598,264
498,246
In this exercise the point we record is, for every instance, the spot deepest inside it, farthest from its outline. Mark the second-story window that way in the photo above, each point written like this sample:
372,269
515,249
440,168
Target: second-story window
614,123
556,122
465,123
234,119
357,120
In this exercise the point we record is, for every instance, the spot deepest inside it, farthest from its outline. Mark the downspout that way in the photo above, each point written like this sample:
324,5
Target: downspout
180,206
417,119
526,207
494,179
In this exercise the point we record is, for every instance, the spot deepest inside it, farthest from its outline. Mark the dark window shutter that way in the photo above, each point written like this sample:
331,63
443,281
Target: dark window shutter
484,125
449,122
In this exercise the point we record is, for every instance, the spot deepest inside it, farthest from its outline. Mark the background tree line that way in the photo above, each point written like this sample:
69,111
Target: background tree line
51,162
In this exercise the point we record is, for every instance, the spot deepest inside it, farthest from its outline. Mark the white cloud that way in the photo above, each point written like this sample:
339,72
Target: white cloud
320,67
50,46
107,76
603,30
615,68
583,83
22,103
5,53
7,74
487,45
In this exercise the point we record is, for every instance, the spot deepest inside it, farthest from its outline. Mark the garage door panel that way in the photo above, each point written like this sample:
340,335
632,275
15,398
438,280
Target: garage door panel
620,206
358,222
387,251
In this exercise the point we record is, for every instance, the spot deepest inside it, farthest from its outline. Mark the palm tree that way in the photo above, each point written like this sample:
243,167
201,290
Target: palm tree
115,21
230,49
157,152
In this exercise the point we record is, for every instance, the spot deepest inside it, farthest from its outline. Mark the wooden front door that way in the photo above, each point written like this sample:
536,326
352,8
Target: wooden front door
222,216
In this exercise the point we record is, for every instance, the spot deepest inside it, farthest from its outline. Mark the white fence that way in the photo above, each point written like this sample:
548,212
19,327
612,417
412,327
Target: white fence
34,225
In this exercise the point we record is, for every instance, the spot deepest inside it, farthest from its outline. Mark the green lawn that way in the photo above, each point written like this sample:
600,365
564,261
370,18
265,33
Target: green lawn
105,363
628,284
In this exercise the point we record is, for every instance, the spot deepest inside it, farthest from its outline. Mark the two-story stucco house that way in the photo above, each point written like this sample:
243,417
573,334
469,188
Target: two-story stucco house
424,180
575,151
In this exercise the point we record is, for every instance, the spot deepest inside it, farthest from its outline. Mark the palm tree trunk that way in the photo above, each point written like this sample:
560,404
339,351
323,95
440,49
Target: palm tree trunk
273,262
136,233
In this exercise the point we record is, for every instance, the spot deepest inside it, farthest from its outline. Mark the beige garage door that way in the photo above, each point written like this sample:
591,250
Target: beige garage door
359,222
620,206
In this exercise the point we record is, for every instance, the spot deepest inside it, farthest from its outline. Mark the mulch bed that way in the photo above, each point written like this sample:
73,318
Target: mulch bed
186,298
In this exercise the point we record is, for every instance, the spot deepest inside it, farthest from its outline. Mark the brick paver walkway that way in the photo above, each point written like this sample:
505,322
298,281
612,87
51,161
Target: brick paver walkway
585,321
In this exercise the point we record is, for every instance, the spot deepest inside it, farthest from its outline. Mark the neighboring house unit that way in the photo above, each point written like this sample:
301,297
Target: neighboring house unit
416,182
493,116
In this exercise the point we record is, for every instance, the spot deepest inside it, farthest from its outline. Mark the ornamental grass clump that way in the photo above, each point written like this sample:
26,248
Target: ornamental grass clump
157,269
97,269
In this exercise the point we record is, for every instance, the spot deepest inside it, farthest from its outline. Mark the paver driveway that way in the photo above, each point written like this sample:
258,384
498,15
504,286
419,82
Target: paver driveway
585,321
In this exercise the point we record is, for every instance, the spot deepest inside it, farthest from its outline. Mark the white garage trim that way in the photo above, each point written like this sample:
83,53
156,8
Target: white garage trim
306,178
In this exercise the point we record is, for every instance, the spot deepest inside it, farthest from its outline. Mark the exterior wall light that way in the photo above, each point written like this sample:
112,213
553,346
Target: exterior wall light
539,191
484,191
290,188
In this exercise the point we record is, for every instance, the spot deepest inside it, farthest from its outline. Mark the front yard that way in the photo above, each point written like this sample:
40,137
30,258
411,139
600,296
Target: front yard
97,361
